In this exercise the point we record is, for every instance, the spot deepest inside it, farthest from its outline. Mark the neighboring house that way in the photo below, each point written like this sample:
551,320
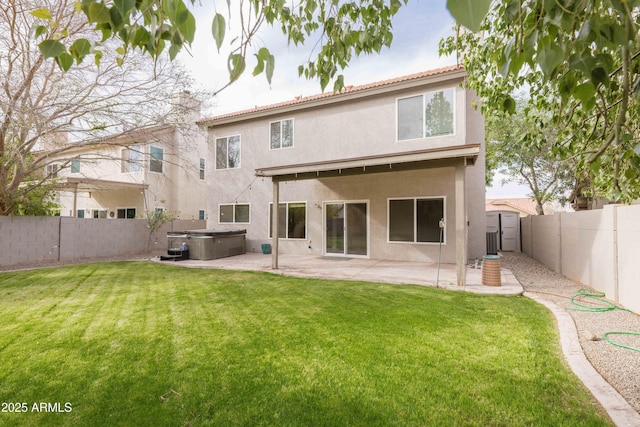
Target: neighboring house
125,176
523,206
367,172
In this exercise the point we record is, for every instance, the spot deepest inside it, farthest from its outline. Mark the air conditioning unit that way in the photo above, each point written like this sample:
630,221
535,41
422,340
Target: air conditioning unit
492,243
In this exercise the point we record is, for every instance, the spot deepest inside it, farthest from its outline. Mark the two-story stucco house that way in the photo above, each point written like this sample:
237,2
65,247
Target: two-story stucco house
160,167
373,171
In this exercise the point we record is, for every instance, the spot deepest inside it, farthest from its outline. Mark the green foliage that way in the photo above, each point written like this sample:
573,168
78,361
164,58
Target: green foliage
146,344
156,218
578,59
520,144
469,13
341,30
35,199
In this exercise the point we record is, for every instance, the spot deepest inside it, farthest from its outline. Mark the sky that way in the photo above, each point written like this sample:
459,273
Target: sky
418,27
417,30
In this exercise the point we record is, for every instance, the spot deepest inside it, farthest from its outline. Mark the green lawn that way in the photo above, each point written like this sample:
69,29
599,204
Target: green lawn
138,344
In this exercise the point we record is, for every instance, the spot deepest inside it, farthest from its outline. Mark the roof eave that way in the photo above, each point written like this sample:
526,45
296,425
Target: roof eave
260,112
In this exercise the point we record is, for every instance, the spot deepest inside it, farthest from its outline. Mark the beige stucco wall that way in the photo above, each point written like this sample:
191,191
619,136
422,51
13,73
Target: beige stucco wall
598,248
375,189
355,128
178,189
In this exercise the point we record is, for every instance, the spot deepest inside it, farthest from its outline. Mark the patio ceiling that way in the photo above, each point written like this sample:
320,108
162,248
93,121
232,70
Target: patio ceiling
410,160
91,184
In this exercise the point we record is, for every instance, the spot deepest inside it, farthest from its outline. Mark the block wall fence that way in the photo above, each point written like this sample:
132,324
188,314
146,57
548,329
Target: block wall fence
32,240
598,248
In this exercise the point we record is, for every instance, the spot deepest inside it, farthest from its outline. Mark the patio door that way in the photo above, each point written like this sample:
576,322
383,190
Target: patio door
346,229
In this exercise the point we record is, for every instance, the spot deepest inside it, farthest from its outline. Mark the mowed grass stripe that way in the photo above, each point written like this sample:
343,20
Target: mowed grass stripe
147,344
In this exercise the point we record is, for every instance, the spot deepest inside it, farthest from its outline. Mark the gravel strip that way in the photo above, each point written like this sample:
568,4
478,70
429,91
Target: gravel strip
619,366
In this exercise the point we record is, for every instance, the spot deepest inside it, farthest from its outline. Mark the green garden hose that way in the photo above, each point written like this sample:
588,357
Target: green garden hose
606,338
597,296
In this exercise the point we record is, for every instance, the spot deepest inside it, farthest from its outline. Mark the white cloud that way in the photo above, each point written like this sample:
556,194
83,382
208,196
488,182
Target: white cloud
418,27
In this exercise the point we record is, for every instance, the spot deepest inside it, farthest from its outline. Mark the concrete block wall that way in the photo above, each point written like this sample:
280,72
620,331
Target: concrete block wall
628,242
545,241
587,247
28,240
598,248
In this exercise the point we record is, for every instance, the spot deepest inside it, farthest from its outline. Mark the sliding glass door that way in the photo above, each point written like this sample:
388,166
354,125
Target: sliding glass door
346,228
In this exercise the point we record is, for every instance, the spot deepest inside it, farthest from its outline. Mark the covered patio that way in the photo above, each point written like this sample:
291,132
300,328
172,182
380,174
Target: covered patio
361,269
88,185
457,157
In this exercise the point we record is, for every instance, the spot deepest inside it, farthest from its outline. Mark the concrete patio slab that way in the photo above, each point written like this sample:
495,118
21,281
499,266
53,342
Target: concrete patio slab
371,270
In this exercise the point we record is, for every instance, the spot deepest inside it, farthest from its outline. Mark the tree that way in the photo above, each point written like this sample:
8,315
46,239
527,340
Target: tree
156,218
439,115
339,30
519,146
578,59
45,112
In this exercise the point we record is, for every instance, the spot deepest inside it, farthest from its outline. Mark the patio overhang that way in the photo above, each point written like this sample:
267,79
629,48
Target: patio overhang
75,184
395,162
92,184
459,157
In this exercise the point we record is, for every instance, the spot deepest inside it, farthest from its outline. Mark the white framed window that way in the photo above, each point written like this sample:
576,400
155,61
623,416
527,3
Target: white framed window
127,213
281,134
228,152
156,157
292,220
99,213
201,168
234,213
416,220
52,170
202,214
80,213
131,158
75,166
426,115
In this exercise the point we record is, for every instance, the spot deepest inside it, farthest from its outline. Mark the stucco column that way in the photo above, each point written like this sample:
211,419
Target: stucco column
75,200
275,232
461,224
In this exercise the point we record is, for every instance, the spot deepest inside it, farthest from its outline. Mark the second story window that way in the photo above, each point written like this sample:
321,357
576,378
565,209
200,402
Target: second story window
156,156
75,166
228,152
430,114
131,159
52,170
201,168
281,134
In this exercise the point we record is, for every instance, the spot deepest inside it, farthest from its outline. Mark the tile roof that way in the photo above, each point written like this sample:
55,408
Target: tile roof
347,90
522,204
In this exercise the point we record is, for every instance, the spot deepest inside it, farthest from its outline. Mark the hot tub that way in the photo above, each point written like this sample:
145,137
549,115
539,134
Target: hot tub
213,244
